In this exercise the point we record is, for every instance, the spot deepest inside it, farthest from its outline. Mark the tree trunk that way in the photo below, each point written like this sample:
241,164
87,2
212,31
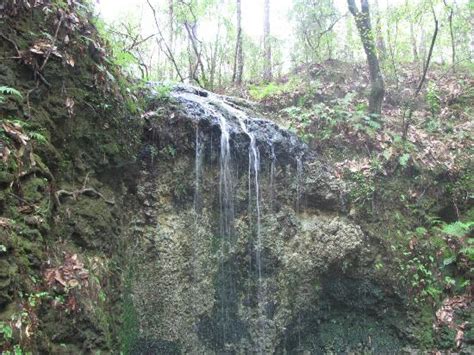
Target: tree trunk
239,57
191,30
267,49
451,32
414,46
214,56
362,20
381,48
171,32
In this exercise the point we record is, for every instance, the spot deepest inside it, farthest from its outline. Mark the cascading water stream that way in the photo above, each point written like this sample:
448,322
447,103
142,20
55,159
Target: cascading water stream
226,212
254,169
272,177
254,165
197,173
231,119
299,176
225,182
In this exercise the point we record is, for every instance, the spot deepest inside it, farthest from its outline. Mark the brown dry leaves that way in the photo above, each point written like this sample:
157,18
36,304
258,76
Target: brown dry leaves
445,315
43,47
15,132
434,151
22,154
69,275
6,222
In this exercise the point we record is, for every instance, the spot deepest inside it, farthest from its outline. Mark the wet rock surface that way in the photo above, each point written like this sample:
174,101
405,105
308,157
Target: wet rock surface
294,268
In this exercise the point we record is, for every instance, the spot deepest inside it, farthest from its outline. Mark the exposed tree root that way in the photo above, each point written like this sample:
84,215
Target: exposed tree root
88,191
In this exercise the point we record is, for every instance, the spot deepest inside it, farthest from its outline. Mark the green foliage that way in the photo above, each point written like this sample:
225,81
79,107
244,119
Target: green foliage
326,121
118,53
38,137
162,92
169,151
315,39
436,264
33,134
433,99
265,91
102,296
403,160
6,330
363,188
5,90
34,298
457,229
301,120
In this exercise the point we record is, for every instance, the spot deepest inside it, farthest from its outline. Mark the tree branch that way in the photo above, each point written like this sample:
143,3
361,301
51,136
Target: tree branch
168,52
430,53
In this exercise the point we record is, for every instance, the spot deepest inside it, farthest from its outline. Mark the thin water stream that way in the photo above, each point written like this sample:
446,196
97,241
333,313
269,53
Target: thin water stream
232,120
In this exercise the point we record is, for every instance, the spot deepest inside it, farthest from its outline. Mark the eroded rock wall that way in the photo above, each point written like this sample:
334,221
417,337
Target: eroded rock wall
196,291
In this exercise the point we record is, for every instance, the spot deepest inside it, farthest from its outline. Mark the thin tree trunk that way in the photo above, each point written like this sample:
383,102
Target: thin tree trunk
362,20
213,60
422,48
414,46
451,32
267,49
392,50
407,118
171,31
168,52
190,29
239,57
381,48
348,48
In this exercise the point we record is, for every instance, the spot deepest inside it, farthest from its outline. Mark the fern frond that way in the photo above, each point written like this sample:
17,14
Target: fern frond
6,90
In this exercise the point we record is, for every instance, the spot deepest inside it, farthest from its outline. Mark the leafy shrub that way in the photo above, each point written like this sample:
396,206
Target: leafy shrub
261,92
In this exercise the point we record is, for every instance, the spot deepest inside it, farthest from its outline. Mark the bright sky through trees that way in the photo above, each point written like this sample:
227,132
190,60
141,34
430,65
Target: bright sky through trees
302,31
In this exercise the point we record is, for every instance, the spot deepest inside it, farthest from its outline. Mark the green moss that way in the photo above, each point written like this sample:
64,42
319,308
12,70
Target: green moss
130,327
111,149
423,331
6,177
34,189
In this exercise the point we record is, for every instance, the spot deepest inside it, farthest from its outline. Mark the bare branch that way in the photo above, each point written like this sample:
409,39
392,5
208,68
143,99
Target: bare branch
167,51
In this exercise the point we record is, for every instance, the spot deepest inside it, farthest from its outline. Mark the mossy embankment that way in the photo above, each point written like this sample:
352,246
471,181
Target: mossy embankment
69,138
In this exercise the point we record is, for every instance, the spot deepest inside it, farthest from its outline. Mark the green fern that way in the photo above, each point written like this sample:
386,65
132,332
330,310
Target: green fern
6,90
403,160
38,137
457,229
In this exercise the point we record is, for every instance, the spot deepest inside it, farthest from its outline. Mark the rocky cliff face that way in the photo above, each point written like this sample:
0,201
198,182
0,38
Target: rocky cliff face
294,273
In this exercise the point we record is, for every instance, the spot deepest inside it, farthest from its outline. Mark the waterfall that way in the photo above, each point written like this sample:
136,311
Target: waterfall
272,177
197,172
235,123
225,182
254,169
299,176
239,263
254,166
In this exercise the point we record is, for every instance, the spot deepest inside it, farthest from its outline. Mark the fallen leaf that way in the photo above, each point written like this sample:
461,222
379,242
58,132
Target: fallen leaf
5,222
15,132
